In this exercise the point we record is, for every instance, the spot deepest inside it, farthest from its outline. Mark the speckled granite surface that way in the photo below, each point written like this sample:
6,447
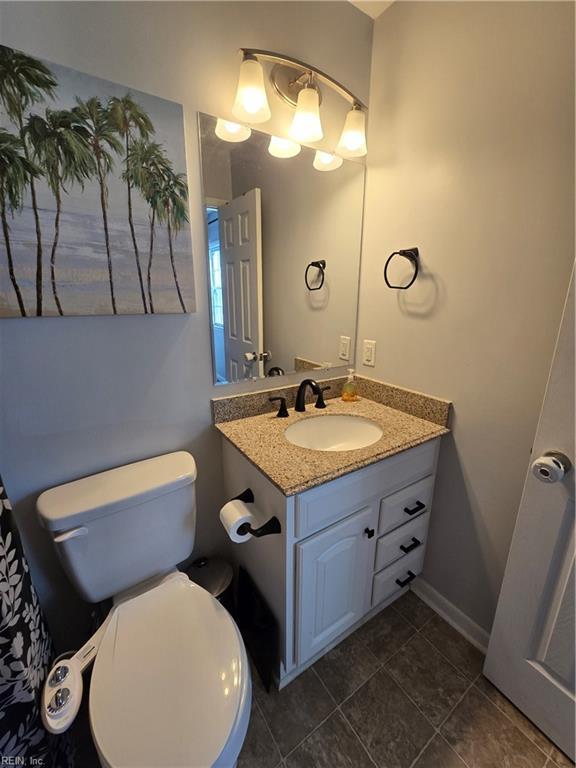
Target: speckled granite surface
293,469
415,403
253,403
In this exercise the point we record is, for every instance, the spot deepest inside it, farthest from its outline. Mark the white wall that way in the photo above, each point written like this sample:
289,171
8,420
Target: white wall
82,394
471,158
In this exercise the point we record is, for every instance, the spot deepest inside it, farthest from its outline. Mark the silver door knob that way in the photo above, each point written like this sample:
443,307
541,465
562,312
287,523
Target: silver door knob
551,467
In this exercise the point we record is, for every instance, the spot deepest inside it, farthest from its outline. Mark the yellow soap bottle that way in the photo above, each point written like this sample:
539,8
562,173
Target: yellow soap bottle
349,389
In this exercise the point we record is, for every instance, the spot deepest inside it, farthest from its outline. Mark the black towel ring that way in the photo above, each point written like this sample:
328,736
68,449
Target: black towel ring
413,256
320,265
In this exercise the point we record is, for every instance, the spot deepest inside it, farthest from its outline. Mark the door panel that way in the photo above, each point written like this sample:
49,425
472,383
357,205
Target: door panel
531,652
241,255
333,581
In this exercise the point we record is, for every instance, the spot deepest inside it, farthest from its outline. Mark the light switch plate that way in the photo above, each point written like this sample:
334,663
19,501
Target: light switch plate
369,352
344,348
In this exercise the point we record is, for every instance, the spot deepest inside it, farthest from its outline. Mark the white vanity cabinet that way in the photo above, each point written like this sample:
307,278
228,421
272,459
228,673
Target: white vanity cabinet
348,547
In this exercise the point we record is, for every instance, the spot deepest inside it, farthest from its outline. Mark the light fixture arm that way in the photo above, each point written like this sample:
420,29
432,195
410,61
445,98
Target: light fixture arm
307,69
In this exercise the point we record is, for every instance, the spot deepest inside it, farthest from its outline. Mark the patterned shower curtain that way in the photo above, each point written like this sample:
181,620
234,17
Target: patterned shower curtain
25,657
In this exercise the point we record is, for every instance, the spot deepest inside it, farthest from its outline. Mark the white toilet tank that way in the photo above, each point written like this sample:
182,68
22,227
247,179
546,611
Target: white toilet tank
118,528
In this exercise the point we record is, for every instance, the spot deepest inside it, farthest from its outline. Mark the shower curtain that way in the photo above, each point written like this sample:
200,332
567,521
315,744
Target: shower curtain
25,658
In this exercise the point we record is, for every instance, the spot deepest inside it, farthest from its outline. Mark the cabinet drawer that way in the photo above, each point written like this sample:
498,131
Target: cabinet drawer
404,505
320,507
411,536
386,583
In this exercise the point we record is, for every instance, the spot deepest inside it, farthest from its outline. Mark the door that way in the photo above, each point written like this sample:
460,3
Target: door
241,258
333,570
531,652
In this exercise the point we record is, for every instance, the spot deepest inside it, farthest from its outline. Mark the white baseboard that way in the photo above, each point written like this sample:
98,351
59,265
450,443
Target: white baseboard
453,615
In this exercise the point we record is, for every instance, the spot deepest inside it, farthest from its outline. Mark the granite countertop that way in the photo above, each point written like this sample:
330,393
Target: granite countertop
293,469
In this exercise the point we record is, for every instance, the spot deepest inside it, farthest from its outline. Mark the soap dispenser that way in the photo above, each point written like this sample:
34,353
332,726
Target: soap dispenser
349,389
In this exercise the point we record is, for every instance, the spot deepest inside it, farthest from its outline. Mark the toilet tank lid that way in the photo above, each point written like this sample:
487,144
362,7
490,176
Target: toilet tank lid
103,494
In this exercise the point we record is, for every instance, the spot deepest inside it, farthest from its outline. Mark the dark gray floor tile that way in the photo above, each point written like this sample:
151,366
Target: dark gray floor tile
485,738
430,681
522,722
439,755
413,609
259,750
296,710
456,648
346,667
561,760
385,633
333,745
390,726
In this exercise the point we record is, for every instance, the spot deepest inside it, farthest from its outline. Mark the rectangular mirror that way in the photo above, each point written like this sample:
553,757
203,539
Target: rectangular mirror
283,256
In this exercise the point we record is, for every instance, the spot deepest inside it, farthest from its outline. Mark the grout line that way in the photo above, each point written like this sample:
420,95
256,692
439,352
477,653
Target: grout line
451,748
323,684
263,716
364,747
316,727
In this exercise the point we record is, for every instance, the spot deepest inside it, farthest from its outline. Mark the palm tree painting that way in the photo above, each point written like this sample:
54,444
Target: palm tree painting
93,196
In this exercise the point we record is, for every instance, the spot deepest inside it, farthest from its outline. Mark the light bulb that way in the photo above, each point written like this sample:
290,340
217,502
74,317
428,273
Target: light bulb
251,105
325,161
228,131
279,147
353,139
306,125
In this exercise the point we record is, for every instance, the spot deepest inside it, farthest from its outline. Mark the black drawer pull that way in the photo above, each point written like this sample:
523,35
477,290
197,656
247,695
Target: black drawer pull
414,545
402,583
418,507
369,532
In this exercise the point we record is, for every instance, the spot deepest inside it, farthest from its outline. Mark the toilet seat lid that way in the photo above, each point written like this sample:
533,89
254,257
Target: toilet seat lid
170,679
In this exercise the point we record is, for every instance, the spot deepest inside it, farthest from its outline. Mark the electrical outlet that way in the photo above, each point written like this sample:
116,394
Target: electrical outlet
369,353
344,349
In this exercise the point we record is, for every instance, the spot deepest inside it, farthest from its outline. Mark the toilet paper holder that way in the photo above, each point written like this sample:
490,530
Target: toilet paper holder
269,527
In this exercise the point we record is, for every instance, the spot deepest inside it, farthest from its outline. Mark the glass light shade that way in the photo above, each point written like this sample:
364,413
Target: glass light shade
353,139
228,131
325,161
306,125
279,147
251,105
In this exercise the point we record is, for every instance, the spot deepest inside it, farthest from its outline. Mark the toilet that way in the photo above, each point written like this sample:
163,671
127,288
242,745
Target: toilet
171,681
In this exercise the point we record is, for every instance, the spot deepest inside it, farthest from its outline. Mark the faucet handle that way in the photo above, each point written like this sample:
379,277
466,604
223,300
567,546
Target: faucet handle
320,399
282,411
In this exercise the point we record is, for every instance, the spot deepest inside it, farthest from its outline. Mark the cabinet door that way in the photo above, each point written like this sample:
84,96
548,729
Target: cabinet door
333,580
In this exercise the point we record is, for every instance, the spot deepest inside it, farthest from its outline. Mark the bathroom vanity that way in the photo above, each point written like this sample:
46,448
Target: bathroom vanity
354,522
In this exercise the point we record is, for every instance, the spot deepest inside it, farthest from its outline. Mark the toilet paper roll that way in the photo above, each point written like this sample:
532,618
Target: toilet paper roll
234,514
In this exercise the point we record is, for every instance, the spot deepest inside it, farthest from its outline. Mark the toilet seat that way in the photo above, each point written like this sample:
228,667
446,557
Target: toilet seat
171,682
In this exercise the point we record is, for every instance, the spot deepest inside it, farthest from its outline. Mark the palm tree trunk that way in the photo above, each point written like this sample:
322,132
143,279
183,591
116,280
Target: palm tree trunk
102,183
53,252
6,231
150,257
181,300
132,230
36,224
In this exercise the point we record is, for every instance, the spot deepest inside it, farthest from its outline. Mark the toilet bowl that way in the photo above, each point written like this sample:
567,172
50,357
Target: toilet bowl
171,682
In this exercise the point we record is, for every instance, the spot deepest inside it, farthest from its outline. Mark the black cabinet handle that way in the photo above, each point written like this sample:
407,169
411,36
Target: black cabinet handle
418,507
369,532
402,583
409,547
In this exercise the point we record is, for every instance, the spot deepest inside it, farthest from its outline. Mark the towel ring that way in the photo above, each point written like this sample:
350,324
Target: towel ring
320,265
413,256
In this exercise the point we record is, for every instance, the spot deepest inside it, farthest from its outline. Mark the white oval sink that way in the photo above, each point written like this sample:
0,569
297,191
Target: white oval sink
337,432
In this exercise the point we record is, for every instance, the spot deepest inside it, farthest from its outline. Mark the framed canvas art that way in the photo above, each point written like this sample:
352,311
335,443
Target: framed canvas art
93,196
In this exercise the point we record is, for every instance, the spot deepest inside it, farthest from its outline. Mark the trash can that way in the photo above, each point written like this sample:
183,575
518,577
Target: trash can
215,576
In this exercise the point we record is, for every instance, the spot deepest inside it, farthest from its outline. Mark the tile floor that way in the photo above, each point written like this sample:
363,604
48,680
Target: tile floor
404,691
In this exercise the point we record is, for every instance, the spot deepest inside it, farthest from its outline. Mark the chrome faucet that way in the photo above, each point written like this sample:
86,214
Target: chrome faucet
300,404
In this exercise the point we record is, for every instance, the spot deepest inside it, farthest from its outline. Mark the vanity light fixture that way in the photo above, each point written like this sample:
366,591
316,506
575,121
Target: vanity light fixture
299,85
251,105
283,148
326,161
228,131
353,139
